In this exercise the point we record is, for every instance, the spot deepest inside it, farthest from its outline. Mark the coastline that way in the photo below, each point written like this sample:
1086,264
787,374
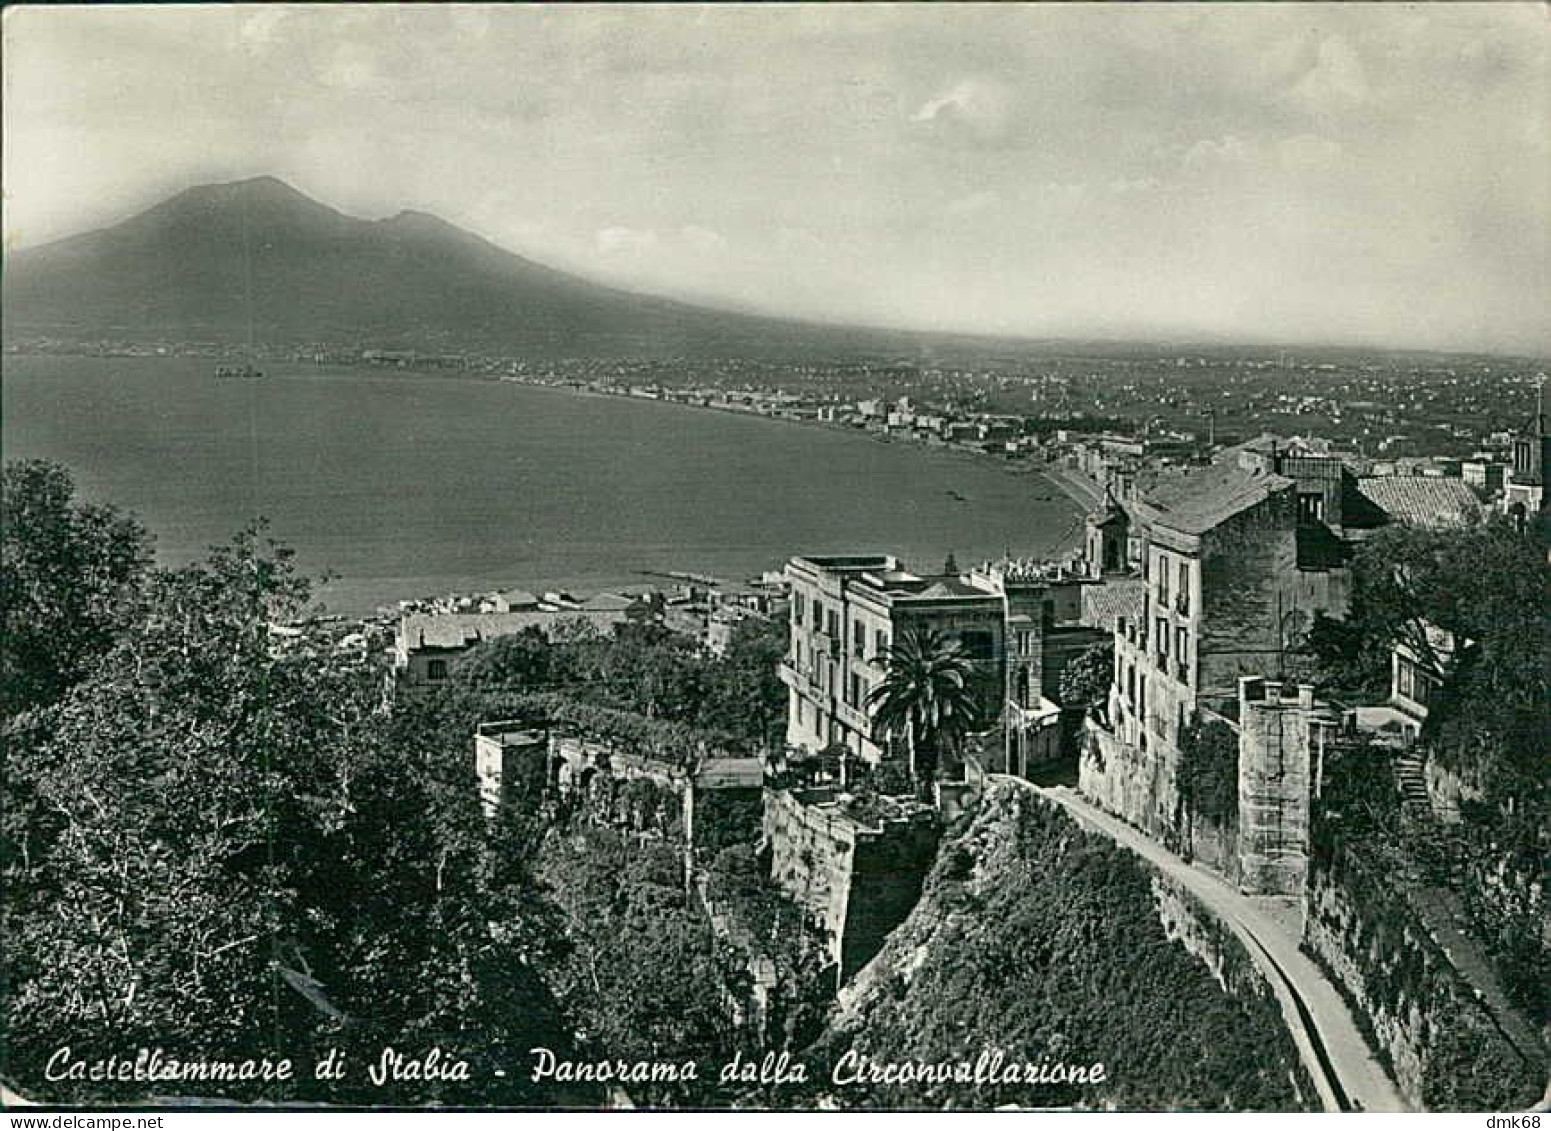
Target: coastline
361,591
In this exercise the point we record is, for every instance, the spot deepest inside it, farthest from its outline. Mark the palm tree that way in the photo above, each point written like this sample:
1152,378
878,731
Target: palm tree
927,697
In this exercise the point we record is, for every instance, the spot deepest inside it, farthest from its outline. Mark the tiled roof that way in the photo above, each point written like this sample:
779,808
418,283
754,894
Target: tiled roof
1102,604
462,630
1423,500
1199,499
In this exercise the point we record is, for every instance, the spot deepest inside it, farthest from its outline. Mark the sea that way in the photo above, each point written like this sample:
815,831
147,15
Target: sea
393,485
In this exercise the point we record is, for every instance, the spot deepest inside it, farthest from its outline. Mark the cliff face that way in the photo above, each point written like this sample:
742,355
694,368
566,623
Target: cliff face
1052,945
1452,1044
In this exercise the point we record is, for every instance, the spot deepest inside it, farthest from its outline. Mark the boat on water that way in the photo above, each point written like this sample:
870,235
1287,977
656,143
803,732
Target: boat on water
238,372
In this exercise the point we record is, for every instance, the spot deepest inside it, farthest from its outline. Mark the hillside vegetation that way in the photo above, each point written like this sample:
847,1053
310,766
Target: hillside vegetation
1038,938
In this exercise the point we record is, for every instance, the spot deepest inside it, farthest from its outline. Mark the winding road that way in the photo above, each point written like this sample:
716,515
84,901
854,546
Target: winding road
1332,1048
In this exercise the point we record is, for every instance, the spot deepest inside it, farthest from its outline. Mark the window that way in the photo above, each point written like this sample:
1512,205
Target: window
1025,643
1162,642
858,638
1311,507
1184,586
436,669
1163,579
799,608
979,645
1413,683
834,625
818,615
1182,652
856,690
880,644
1021,687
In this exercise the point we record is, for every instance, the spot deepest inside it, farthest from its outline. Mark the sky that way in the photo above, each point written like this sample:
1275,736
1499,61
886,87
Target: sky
1345,174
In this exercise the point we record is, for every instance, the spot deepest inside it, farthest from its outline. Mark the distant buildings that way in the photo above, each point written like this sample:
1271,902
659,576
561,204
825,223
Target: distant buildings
427,645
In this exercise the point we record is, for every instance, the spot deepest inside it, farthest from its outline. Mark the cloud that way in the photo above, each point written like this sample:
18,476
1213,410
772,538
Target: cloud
857,161
978,108
349,67
1308,153
705,241
261,28
973,204
1214,155
626,243
1336,81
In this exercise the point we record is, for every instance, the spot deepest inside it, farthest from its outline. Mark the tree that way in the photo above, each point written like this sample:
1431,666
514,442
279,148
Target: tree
927,696
178,785
1489,588
518,661
1086,680
745,693
69,582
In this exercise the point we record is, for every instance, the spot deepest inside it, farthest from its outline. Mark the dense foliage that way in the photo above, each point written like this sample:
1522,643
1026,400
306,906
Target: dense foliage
642,683
69,582
928,698
1086,680
221,842
1487,588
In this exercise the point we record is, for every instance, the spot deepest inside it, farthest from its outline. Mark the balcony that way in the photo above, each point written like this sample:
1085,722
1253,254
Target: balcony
853,717
799,680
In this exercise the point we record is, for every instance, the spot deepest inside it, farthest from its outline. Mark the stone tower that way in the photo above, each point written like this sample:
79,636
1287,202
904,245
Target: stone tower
1275,739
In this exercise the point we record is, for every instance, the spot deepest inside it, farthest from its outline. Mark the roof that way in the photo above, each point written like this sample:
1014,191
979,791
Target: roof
1106,602
607,603
1423,500
1200,499
731,773
519,599
950,587
463,630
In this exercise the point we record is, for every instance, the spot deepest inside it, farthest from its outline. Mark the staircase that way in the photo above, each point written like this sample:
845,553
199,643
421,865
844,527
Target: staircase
1411,781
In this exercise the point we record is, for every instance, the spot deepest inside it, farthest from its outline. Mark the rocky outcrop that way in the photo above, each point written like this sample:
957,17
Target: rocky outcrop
1049,944
1451,1041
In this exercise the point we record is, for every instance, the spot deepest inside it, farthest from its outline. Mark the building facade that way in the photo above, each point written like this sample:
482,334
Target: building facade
845,613
1019,623
1229,589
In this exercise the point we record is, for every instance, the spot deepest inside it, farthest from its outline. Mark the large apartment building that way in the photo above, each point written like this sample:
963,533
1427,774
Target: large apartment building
846,611
1017,621
1237,560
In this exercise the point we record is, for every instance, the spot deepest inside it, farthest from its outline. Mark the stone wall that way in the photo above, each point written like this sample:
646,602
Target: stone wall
1257,602
1263,844
857,881
1444,1046
1274,742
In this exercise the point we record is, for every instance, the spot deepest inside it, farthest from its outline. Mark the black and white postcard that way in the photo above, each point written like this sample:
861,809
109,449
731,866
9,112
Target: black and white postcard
797,557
